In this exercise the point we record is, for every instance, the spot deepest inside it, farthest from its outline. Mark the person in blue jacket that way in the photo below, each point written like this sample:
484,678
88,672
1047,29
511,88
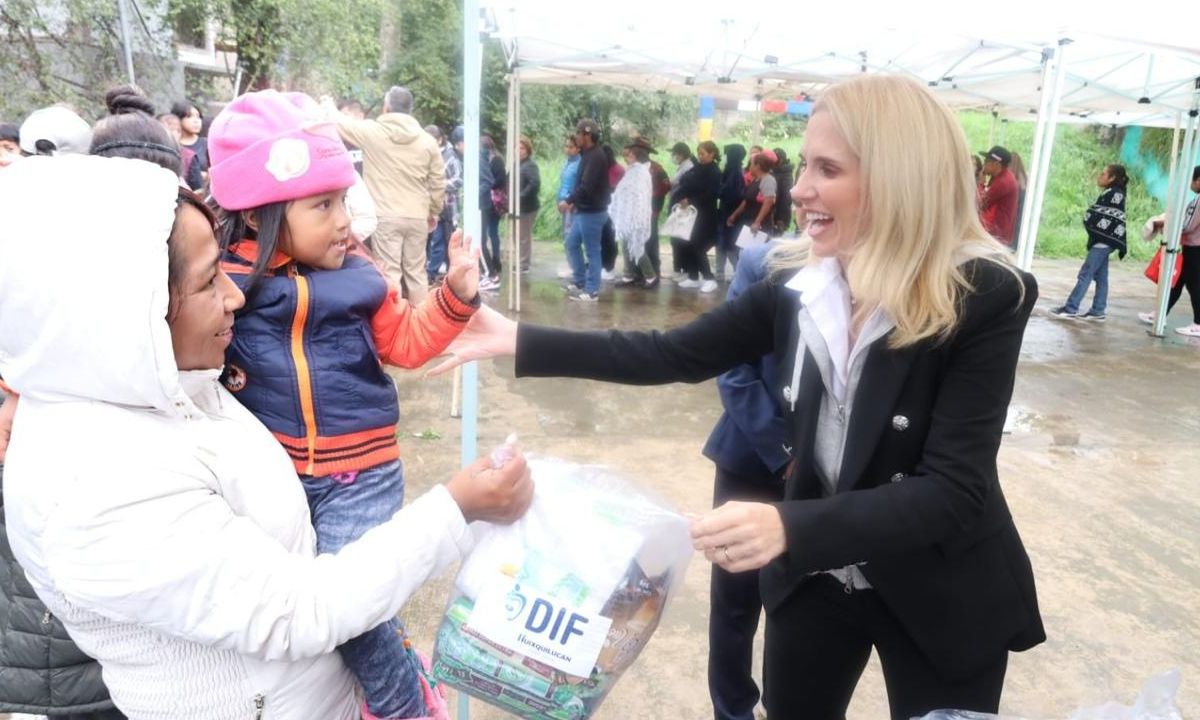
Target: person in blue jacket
751,448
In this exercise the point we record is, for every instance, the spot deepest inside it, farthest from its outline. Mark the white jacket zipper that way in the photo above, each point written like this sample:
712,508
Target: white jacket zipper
260,704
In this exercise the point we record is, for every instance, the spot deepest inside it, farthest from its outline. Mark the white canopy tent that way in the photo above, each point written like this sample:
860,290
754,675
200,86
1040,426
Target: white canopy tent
1100,61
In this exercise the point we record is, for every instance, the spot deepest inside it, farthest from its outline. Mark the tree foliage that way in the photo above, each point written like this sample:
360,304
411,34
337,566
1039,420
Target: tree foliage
71,51
318,46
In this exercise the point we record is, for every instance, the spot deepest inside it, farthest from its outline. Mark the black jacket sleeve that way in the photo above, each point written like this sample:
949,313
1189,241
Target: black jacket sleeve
733,333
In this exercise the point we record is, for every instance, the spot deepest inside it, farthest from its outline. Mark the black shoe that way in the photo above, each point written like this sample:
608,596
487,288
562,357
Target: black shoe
1062,313
1094,317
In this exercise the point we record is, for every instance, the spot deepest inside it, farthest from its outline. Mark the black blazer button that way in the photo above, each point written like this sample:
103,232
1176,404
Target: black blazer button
900,422
898,477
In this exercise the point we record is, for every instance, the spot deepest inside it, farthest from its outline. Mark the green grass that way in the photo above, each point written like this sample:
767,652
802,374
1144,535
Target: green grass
1079,155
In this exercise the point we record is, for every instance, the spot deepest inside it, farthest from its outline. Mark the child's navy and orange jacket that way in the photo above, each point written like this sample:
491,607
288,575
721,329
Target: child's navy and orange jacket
307,352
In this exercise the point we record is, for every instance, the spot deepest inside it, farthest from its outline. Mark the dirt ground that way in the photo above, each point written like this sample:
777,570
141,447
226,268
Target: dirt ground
1100,469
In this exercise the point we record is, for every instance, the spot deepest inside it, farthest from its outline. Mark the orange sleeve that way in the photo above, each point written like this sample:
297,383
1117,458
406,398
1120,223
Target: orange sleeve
409,335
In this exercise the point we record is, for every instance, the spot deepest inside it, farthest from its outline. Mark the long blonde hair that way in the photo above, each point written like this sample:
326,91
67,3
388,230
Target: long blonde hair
918,220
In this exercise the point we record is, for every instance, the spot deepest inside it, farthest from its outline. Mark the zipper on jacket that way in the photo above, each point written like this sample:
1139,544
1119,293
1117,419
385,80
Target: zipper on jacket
47,617
303,378
260,704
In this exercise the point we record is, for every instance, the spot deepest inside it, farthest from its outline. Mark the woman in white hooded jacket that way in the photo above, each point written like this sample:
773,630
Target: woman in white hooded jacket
157,518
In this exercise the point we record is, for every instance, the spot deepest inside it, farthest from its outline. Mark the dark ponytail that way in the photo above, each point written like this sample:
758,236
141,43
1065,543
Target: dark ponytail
1120,179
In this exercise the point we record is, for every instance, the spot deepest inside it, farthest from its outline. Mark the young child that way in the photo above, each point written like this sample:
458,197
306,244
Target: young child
1105,225
318,322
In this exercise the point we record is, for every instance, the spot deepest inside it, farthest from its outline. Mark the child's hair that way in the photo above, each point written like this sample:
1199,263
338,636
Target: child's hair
1118,175
270,220
1196,173
131,131
183,108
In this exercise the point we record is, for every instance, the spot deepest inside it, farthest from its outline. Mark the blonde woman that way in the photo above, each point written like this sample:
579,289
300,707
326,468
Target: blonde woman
896,347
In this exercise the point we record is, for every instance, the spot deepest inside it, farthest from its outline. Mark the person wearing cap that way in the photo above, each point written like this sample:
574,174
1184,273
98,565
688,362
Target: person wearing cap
10,144
155,516
998,204
407,179
55,130
589,202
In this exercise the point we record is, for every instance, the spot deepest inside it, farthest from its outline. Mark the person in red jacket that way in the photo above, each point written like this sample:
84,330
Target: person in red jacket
998,203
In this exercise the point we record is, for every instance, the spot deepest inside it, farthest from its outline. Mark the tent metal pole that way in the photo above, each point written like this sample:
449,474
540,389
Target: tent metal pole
1035,161
1174,225
1047,150
1160,317
514,164
517,196
472,72
126,40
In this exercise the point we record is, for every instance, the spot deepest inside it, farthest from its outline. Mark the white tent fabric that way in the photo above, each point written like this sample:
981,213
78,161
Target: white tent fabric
777,51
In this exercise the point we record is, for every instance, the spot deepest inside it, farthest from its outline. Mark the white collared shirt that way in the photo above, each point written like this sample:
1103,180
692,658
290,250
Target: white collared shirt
824,321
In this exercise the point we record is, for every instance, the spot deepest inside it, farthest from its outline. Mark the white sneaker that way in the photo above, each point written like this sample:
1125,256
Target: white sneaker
687,283
708,286
566,273
1146,317
679,277
1189,330
608,275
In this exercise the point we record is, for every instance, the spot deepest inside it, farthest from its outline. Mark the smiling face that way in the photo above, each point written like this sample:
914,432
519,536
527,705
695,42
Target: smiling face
316,230
829,191
203,303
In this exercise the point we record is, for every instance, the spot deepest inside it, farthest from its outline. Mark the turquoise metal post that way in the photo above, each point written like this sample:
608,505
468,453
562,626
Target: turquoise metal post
472,70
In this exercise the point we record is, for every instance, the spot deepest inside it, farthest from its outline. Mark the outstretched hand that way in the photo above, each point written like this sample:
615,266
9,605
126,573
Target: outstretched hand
463,273
740,536
499,495
489,334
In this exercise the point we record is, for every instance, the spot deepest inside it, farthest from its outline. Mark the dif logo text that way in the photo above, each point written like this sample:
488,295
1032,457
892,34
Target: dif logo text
557,624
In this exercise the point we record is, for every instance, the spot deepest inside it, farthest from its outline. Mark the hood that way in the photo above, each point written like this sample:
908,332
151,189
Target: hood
401,128
83,281
735,157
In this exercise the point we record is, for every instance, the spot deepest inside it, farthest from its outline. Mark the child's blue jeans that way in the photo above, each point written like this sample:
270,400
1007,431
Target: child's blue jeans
343,508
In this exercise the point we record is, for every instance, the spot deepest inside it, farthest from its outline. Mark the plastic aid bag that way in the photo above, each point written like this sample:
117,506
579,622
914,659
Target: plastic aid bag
1156,701
547,613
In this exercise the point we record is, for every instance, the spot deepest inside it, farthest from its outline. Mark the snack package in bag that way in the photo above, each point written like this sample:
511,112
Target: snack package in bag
548,612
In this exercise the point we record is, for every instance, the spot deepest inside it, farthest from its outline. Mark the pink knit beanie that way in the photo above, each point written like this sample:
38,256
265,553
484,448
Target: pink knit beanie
268,146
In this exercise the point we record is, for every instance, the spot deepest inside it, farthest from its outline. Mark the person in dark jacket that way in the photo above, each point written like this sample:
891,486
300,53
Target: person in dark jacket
661,184
785,177
531,185
1104,222
41,671
698,188
609,250
750,448
589,201
896,351
492,212
733,184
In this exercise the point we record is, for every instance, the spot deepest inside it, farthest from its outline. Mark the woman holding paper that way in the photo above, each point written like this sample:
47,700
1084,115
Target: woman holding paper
758,204
896,346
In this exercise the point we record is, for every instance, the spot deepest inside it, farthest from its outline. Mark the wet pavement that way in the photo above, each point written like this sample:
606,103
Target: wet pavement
1101,467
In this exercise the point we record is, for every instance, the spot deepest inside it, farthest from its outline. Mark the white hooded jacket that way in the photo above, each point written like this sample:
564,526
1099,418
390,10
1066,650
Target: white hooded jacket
156,517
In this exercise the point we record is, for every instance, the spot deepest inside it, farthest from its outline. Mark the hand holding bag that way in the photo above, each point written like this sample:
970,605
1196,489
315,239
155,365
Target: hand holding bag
680,222
1154,269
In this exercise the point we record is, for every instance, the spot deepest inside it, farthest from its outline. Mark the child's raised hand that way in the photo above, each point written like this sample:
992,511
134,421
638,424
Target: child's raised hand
463,273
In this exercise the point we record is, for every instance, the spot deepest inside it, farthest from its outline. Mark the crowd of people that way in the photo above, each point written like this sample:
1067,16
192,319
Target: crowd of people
230,535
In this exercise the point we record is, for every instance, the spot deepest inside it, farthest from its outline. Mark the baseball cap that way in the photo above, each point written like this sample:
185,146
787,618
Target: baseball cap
999,154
